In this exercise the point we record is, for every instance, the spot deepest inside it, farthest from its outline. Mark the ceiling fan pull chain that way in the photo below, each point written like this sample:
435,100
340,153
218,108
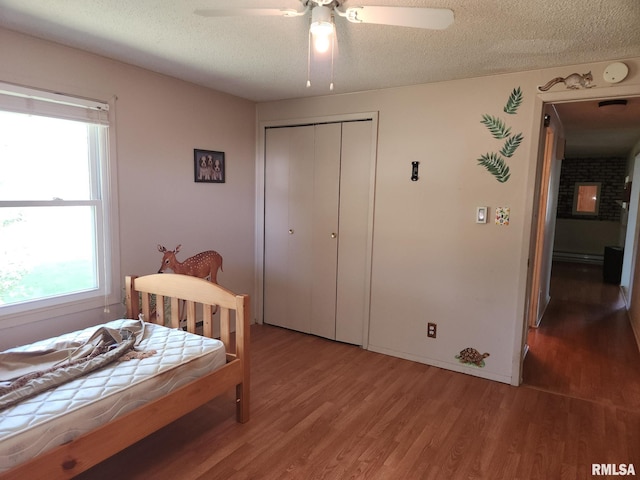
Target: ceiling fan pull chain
309,61
333,44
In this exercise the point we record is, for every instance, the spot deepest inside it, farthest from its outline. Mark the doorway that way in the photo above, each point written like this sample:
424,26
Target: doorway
548,325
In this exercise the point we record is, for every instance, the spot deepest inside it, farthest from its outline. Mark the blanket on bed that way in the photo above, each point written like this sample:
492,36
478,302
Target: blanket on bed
27,372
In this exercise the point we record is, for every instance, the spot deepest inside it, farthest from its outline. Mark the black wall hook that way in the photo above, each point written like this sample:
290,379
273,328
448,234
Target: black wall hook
414,171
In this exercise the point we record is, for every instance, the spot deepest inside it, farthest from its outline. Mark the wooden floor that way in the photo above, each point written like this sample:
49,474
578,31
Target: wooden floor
585,346
322,409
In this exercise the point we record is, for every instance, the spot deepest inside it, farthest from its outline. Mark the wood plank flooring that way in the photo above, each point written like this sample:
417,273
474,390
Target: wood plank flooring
585,346
325,410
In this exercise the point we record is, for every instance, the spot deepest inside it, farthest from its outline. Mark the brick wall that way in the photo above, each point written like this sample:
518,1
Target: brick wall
610,172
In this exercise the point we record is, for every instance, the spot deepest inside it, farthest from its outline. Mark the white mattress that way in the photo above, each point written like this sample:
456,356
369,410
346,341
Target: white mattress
60,415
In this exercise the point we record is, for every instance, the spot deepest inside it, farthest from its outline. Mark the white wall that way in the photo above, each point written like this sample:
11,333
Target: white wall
431,261
160,120
588,237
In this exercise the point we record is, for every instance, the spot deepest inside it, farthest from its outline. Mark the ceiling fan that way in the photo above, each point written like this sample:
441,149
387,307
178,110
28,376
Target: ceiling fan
322,28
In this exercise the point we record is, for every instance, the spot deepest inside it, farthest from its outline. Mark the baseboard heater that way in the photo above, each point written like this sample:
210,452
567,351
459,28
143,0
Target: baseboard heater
590,258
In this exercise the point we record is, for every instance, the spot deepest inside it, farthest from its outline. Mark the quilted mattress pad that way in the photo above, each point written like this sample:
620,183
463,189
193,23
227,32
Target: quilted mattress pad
57,416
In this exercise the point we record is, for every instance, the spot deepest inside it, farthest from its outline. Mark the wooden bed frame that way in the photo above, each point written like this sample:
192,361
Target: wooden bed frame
93,447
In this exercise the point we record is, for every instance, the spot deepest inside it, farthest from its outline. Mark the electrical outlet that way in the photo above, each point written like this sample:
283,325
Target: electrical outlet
431,330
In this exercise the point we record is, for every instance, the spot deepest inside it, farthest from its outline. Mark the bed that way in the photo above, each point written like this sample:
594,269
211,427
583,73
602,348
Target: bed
123,414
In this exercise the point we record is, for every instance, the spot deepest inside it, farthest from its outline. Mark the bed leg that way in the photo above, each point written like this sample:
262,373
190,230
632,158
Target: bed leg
242,403
243,333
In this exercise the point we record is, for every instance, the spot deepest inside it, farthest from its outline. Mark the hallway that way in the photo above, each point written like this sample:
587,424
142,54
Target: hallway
584,347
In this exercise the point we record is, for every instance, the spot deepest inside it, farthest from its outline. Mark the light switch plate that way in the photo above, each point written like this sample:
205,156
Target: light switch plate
481,214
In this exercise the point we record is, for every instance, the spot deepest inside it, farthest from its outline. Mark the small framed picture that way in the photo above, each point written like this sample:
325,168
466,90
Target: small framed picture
208,166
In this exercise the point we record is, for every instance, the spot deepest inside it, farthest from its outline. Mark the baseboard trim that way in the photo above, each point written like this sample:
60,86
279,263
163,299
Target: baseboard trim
589,258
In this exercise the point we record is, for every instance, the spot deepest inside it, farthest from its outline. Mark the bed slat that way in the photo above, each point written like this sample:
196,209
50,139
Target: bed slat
191,316
175,312
160,313
146,307
207,321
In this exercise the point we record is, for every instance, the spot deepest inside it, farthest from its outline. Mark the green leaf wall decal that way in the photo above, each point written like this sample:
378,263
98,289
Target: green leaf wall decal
496,166
495,162
511,145
515,100
496,126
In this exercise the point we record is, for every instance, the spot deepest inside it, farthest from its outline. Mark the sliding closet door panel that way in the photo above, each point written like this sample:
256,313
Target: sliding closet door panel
288,193
276,224
325,234
300,233
355,184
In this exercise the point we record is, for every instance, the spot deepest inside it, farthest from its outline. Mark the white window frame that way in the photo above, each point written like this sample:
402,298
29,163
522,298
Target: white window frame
22,99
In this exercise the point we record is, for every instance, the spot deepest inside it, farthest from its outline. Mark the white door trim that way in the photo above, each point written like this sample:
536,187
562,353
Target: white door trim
540,101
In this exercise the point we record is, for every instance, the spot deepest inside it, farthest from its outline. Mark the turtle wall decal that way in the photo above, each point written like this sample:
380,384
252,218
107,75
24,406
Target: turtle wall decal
472,356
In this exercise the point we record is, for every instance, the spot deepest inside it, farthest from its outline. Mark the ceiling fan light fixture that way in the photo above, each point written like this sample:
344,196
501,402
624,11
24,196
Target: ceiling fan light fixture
322,31
321,28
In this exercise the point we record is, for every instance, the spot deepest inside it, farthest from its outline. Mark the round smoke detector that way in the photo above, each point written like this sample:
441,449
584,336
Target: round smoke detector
615,72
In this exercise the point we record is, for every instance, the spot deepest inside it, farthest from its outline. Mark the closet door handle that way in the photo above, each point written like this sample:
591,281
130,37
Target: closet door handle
291,231
333,235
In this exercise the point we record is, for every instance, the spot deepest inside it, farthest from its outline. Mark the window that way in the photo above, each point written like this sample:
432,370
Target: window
56,216
586,198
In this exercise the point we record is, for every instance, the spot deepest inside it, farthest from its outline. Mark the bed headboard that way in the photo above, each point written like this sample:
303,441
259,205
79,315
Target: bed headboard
200,296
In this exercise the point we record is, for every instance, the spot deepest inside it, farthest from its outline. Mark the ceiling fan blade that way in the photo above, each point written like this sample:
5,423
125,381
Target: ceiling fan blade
431,18
238,12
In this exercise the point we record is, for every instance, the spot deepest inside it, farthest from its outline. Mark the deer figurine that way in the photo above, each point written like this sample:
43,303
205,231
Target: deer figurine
201,265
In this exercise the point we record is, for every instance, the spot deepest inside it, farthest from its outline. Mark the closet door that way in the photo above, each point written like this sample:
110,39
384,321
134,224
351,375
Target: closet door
317,228
325,236
354,249
288,178
301,227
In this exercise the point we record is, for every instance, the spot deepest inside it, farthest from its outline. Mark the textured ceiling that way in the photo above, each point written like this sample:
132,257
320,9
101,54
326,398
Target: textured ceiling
265,58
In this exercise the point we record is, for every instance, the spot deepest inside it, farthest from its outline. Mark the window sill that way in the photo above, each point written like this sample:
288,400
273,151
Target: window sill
50,312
